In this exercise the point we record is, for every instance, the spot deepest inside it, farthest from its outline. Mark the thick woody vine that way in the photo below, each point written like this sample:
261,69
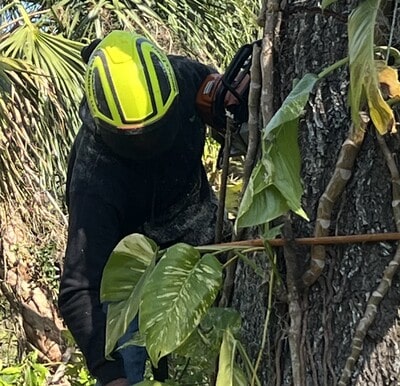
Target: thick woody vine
378,81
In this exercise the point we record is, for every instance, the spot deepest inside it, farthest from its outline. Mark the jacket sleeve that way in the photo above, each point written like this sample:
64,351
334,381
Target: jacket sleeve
94,230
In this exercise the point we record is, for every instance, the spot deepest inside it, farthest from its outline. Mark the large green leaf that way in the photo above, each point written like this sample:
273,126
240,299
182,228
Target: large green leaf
293,106
125,266
126,272
364,84
261,202
285,156
275,184
176,297
120,314
229,373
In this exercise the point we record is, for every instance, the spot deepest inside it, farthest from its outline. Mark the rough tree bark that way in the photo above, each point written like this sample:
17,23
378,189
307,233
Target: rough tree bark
308,41
30,302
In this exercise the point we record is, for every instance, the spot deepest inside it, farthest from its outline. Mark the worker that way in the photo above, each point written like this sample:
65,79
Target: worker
135,167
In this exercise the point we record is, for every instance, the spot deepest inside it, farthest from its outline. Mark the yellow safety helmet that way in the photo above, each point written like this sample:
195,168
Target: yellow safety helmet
131,90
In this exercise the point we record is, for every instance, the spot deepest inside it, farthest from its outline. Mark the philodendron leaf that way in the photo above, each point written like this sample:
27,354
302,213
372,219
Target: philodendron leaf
363,74
285,156
261,202
275,185
176,297
361,55
229,374
125,266
120,314
293,106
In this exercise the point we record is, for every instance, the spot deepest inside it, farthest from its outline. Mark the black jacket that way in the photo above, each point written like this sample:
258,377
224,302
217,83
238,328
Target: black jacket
168,199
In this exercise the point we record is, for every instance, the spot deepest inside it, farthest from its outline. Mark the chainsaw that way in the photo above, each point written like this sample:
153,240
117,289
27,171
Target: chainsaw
223,95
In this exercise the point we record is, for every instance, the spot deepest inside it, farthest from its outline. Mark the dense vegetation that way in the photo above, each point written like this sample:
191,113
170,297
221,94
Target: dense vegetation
338,96
40,90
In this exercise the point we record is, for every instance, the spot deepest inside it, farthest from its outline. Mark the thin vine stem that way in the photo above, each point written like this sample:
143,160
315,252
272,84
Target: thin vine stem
392,30
266,321
333,67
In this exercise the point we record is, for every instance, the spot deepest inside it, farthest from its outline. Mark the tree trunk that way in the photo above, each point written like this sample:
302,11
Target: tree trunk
32,304
311,344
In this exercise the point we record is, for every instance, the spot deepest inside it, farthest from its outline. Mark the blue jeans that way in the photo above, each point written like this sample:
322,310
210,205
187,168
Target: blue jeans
134,356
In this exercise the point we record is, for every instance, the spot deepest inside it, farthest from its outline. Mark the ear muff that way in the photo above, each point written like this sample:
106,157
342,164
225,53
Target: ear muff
87,50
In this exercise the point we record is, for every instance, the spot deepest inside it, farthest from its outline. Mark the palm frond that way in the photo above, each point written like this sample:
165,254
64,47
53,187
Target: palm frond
43,75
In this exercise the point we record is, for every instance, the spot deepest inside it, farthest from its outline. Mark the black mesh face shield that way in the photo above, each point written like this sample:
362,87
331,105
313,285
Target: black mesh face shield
145,143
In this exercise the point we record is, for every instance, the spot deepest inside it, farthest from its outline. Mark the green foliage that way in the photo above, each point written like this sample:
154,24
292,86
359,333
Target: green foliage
79,375
90,19
76,371
9,332
275,186
208,337
47,272
43,74
29,372
175,297
229,374
364,85
181,287
217,30
127,263
121,313
57,57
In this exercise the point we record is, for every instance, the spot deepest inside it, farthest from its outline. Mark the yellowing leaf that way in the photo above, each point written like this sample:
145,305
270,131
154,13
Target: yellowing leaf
361,27
233,191
380,112
389,80
363,73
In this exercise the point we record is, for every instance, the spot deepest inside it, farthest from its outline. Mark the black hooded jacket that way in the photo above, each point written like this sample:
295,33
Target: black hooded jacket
168,199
